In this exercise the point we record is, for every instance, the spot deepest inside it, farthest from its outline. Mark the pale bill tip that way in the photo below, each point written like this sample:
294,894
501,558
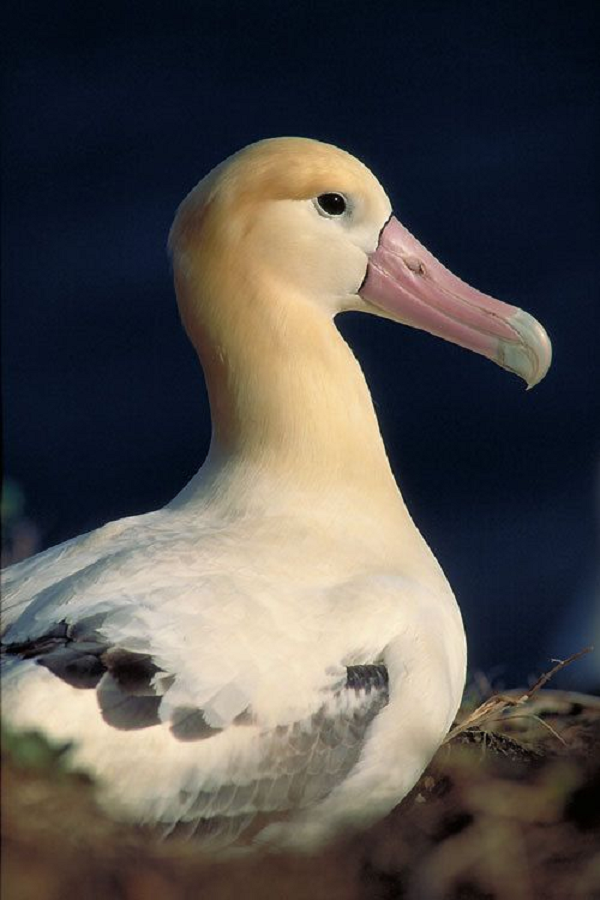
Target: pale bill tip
531,356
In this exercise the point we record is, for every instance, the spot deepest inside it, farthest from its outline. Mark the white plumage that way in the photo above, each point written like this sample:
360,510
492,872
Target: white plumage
278,641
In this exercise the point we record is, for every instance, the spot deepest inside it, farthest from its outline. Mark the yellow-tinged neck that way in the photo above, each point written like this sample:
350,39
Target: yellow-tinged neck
286,393
294,429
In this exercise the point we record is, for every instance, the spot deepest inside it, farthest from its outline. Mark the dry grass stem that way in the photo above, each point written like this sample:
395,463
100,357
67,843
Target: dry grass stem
501,702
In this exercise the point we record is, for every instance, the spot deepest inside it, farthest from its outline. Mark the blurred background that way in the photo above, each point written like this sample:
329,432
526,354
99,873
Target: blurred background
480,119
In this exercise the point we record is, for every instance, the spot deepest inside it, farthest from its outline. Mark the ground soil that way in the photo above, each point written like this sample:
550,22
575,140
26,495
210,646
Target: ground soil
508,810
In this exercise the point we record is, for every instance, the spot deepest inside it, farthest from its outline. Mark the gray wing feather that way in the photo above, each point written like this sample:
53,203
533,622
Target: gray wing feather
298,764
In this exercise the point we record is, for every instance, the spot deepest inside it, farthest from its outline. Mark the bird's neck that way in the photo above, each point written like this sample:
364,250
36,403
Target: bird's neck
294,429
288,397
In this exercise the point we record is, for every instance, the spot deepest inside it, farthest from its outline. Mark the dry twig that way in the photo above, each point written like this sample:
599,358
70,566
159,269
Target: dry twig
497,704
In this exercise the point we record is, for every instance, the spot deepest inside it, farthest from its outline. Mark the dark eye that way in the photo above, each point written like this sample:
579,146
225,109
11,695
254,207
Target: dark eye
332,204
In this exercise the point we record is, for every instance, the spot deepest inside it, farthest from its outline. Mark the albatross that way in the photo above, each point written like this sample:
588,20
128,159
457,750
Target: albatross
273,658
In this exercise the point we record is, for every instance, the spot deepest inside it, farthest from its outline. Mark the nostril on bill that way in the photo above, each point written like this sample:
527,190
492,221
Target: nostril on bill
414,264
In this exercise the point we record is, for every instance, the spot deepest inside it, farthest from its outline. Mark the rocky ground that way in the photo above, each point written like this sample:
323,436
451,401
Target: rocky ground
509,809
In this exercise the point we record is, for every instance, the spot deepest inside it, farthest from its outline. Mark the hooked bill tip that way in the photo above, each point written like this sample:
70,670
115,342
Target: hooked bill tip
530,357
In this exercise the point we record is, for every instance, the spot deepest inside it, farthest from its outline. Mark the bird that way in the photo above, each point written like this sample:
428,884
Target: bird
271,660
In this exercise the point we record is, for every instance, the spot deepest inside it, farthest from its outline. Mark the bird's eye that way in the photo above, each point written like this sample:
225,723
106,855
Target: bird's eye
332,204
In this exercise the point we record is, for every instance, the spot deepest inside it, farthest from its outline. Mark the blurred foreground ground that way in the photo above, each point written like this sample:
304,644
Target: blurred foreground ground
508,810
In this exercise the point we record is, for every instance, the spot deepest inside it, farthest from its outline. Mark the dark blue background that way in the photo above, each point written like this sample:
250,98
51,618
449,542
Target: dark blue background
480,120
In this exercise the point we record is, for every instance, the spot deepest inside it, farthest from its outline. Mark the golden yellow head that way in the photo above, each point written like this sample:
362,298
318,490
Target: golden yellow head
291,225
256,218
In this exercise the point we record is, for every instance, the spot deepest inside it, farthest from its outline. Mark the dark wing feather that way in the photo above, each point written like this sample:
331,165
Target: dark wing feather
298,764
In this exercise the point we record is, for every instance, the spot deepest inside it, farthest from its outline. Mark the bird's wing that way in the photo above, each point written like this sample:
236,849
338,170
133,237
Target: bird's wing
187,689
209,781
